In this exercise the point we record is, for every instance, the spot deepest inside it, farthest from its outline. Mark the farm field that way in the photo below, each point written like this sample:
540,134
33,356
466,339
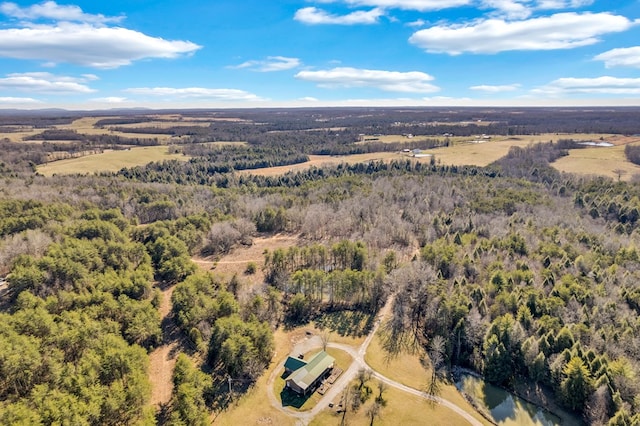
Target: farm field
602,161
86,126
462,152
110,161
465,152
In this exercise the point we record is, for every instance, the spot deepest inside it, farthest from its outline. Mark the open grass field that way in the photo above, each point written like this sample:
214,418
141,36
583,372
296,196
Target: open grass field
236,261
163,124
465,152
394,139
408,369
86,126
110,161
401,409
602,161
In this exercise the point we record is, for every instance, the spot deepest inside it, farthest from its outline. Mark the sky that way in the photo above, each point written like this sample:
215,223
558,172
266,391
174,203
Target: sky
285,53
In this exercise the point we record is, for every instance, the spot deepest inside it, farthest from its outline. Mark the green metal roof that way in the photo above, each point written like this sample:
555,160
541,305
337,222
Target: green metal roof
293,364
308,374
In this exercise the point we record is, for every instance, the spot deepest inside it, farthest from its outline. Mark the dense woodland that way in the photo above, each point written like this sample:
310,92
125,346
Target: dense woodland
520,272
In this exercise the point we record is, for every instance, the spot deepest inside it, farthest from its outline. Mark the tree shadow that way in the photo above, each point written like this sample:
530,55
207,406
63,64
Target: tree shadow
347,322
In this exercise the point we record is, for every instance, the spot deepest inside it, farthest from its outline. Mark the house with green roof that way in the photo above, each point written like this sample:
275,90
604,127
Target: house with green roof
308,375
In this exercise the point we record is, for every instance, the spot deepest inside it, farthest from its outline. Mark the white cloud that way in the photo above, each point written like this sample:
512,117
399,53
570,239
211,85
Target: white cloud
419,5
512,9
605,85
495,88
309,99
621,57
83,44
391,81
196,92
271,63
52,10
520,9
79,38
11,100
559,31
563,4
315,16
417,23
44,82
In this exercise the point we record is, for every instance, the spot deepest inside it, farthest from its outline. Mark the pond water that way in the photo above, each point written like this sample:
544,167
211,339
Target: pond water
506,408
596,144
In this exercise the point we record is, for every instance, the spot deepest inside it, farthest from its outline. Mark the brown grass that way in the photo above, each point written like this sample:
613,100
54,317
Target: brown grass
235,262
110,161
401,409
162,124
86,126
408,369
394,139
602,161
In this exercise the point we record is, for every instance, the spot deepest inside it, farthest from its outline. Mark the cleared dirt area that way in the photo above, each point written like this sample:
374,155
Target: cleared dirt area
235,262
162,360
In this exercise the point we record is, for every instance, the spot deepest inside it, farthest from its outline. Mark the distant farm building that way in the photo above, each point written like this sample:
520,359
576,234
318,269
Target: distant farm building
308,375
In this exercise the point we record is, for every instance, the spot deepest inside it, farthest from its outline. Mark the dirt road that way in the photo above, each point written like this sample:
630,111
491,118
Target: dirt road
347,376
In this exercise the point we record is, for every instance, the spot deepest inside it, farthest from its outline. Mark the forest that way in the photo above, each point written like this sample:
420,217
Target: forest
524,273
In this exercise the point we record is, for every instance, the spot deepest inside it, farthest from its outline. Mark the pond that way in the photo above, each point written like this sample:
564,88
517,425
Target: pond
506,408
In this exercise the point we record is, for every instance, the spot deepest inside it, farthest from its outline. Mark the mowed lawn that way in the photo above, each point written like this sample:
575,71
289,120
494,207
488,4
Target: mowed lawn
110,161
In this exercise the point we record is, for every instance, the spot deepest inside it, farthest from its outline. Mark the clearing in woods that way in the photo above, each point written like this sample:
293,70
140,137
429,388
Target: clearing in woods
162,360
237,260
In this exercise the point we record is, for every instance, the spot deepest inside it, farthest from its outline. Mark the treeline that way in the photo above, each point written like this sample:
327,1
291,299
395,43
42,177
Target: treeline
632,152
102,139
203,172
199,132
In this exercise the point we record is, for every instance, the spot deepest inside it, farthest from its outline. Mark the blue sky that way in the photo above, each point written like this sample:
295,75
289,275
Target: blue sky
257,53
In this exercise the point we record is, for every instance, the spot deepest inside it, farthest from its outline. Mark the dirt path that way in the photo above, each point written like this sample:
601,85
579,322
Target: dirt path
163,358
336,389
